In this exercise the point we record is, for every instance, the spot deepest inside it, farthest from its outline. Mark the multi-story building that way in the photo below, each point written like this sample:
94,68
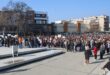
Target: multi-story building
41,25
41,18
23,22
64,26
87,24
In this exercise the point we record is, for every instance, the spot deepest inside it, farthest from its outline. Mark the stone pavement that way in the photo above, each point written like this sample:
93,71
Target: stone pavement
6,64
65,64
26,56
8,50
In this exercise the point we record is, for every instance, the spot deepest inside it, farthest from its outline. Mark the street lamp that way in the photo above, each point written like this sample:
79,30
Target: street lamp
4,32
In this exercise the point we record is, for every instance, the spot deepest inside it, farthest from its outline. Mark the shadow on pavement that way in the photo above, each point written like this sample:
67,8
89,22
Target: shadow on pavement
11,71
97,61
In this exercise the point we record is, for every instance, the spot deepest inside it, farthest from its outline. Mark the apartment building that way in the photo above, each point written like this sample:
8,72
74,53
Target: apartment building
86,24
64,26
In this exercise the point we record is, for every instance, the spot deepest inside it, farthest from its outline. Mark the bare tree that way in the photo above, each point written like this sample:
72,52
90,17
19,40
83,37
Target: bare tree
14,14
21,8
3,21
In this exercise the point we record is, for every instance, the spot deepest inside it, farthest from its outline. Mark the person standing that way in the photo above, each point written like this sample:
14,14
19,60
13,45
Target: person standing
87,53
68,45
20,40
95,49
108,46
102,50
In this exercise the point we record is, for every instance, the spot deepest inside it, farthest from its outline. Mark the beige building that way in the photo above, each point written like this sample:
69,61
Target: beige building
86,24
65,26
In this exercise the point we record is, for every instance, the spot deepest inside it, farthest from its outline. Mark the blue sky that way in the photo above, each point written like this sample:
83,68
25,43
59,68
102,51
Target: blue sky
66,9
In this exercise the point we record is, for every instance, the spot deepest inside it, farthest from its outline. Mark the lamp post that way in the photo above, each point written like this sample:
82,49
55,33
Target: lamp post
4,32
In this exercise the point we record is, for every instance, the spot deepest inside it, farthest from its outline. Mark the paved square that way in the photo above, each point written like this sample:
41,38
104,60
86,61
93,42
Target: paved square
65,64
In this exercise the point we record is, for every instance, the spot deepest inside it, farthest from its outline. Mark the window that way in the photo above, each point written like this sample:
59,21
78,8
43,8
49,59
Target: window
37,15
30,21
38,22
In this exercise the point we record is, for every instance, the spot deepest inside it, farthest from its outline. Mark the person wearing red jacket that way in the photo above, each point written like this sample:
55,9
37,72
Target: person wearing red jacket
95,49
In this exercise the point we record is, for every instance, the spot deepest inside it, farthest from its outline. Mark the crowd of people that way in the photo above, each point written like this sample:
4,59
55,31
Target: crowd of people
87,42
90,43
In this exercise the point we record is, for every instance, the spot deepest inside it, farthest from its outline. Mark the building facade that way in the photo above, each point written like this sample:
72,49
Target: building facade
87,24
41,18
15,22
65,27
40,25
45,29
